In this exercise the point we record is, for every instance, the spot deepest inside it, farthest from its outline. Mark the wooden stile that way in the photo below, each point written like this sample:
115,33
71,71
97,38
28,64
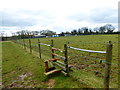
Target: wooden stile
63,66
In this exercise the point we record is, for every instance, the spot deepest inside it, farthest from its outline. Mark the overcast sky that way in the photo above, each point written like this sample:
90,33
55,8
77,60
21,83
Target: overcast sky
56,15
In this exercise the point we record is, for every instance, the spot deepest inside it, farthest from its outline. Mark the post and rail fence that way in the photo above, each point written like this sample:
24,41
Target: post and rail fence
108,54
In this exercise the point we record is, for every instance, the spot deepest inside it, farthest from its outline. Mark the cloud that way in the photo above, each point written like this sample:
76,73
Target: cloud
56,15
24,18
97,15
10,18
104,15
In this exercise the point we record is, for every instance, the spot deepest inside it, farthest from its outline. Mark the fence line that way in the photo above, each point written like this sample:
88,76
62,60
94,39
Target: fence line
71,48
95,42
108,53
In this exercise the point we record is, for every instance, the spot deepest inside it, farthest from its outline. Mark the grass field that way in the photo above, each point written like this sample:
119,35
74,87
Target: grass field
23,70
86,64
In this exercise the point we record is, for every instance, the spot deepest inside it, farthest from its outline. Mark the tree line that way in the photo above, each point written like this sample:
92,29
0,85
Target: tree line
106,29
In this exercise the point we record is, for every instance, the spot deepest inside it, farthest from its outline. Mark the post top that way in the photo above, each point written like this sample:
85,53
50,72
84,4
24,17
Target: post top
110,42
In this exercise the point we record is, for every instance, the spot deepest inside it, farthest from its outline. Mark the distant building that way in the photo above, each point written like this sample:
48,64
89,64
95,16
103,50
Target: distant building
55,35
38,36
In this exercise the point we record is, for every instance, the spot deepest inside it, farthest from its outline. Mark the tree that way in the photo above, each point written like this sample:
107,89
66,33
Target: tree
79,31
24,34
109,28
90,31
47,32
67,32
2,35
85,30
102,29
62,34
28,33
74,32
35,32
96,30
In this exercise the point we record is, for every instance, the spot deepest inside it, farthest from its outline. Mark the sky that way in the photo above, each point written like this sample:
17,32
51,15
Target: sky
56,15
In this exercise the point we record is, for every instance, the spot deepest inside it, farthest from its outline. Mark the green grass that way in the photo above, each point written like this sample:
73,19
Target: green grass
20,69
91,42
82,60
0,65
17,61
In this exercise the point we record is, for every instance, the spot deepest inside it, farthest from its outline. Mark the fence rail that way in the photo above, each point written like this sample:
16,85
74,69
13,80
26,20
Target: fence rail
44,44
86,50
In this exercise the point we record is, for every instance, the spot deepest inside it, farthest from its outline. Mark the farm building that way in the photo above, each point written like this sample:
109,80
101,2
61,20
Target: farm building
38,36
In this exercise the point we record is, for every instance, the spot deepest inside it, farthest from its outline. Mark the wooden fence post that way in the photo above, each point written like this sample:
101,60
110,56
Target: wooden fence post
24,44
52,44
30,46
108,65
21,42
66,59
39,48
119,61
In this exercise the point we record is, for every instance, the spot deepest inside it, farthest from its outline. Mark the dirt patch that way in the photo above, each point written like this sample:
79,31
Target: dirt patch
24,80
50,83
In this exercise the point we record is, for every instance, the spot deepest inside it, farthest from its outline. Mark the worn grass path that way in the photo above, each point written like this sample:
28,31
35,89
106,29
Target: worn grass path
23,70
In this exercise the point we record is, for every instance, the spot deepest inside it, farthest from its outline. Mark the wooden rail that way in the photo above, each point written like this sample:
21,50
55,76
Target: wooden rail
55,49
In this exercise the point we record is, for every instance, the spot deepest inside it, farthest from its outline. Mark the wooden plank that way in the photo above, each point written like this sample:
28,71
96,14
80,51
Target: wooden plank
55,49
50,72
108,65
62,67
54,59
61,57
61,63
64,73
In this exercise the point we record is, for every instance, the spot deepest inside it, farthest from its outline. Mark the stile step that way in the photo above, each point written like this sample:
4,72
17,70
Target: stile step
50,72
